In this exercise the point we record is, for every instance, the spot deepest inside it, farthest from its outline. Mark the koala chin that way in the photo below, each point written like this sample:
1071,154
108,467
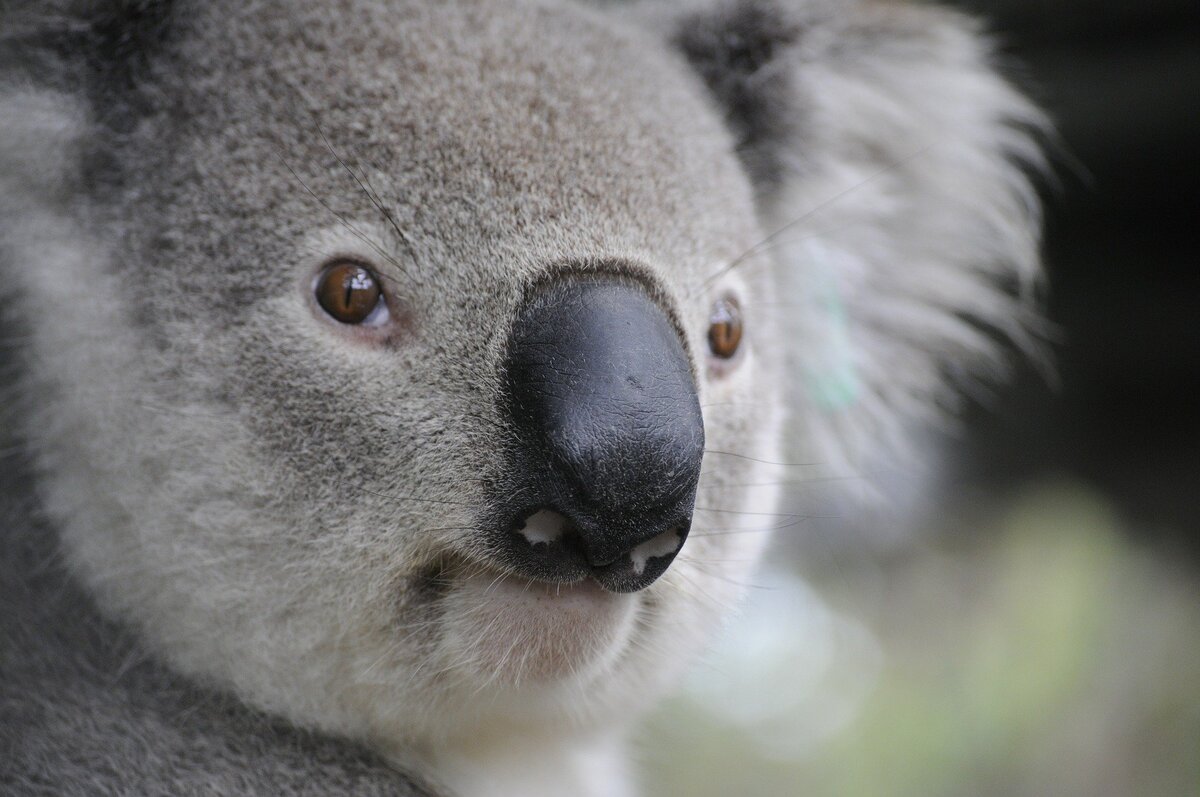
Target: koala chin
400,389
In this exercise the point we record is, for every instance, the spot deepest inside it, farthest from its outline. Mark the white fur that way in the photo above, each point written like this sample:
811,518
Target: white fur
903,244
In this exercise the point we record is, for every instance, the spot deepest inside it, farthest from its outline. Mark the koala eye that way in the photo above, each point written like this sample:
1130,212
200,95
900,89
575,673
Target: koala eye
724,328
350,293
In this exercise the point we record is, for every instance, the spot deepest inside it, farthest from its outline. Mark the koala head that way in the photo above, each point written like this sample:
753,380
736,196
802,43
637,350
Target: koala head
419,371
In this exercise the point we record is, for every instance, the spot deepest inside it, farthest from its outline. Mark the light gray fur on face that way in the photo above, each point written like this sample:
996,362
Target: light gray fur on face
289,514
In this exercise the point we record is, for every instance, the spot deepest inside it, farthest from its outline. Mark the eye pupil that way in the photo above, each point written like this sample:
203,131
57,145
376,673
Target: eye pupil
725,328
348,291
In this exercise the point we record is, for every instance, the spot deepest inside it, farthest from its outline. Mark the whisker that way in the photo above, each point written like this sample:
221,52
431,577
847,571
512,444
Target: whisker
807,216
738,404
373,196
729,532
763,461
705,567
357,233
783,483
740,512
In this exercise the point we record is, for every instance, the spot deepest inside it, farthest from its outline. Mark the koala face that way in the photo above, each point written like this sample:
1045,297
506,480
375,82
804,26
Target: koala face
411,366
417,371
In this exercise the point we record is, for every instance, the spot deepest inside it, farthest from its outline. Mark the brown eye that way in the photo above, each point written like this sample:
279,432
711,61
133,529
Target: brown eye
348,292
725,328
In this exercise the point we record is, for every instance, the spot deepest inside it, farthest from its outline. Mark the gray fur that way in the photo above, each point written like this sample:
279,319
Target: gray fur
87,712
280,520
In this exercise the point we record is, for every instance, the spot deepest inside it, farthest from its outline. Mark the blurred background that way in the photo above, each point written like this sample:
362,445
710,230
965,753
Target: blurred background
1040,635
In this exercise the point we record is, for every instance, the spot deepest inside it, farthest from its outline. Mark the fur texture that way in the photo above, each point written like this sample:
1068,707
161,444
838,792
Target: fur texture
277,514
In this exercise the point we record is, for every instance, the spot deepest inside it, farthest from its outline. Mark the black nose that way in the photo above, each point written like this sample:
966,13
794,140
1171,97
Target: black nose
609,435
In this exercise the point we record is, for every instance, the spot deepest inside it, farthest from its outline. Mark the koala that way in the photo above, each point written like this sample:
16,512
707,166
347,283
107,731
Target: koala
398,394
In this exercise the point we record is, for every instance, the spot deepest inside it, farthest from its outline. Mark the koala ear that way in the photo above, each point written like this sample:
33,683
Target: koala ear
743,51
67,39
891,163
74,81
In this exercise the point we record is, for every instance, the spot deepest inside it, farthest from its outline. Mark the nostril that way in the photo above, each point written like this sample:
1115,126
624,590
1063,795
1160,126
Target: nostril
641,563
543,527
555,546
544,544
665,544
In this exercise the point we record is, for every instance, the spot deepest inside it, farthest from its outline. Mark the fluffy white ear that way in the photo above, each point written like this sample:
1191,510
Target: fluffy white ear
892,164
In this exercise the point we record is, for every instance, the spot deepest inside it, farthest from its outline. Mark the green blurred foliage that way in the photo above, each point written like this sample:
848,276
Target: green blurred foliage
1037,654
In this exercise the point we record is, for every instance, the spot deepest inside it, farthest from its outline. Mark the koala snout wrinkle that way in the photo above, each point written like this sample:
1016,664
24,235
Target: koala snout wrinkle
599,388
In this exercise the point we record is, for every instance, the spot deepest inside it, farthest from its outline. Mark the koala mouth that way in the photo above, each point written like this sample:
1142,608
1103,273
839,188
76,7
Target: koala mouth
551,604
508,629
548,546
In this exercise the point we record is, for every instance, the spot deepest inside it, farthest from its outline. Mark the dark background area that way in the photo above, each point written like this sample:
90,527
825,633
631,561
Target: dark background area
1121,80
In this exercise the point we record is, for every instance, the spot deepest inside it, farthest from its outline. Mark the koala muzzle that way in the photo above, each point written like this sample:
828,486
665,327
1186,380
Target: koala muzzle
609,436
